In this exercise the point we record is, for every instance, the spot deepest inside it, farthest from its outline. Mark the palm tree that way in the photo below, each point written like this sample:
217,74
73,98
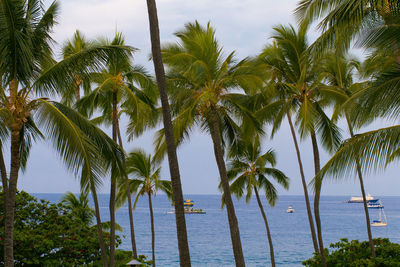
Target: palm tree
248,172
297,78
201,79
115,90
370,22
339,72
26,68
146,173
79,206
77,44
184,254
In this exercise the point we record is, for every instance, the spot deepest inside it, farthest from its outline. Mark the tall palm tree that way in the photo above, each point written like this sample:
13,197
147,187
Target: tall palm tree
71,94
27,70
339,72
297,78
248,172
115,90
201,80
184,254
146,181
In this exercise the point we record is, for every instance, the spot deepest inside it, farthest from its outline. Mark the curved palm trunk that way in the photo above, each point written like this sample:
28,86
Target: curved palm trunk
360,178
271,248
113,184
99,226
128,191
317,197
10,200
152,231
233,223
303,181
184,255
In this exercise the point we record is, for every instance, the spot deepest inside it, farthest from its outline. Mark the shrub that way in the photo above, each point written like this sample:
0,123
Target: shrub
357,254
47,234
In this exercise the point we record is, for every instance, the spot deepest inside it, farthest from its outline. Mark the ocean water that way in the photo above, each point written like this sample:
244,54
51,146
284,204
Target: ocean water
209,237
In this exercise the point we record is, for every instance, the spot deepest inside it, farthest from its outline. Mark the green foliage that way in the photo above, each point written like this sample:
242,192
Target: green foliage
357,254
48,234
122,257
145,171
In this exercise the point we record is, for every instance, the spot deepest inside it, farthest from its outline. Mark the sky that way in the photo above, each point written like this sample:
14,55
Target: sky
243,26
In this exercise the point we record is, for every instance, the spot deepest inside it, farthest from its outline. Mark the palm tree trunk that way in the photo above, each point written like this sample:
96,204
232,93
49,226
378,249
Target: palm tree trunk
152,231
317,194
303,181
271,248
10,200
3,171
360,178
233,223
4,177
128,191
99,226
184,255
113,184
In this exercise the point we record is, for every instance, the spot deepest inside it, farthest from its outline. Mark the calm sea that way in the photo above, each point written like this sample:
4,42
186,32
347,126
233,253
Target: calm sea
209,237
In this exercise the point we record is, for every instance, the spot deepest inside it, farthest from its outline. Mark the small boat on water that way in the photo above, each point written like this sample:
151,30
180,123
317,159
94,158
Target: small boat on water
290,209
369,198
382,221
375,205
188,208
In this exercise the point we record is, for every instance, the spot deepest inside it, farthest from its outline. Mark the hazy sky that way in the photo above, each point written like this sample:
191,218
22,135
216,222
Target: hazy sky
243,26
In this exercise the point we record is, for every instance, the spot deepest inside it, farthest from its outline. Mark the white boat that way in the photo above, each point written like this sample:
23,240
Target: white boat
369,199
382,219
290,209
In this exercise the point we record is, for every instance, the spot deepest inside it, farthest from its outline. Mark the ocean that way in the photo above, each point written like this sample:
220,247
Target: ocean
209,238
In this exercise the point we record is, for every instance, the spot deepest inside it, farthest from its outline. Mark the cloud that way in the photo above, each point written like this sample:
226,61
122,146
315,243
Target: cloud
241,25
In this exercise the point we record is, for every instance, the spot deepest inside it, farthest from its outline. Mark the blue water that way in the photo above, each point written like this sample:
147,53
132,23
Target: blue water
209,238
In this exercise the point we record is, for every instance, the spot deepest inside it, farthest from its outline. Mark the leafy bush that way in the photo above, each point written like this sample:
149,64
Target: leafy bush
357,254
48,234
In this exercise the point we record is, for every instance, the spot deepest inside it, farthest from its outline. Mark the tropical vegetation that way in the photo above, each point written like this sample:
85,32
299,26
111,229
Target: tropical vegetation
51,234
356,253
249,172
70,100
146,181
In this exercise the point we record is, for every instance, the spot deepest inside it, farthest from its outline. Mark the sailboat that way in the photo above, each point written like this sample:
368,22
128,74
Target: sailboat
382,219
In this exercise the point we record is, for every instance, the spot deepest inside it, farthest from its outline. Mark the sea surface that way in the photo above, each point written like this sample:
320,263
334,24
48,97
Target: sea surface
209,238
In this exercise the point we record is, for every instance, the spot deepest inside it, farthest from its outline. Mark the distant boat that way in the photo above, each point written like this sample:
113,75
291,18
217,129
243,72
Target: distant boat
375,205
382,219
290,209
369,199
188,208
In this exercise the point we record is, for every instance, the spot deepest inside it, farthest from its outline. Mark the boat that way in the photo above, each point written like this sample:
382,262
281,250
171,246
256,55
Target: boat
194,211
369,198
375,205
290,209
188,208
382,219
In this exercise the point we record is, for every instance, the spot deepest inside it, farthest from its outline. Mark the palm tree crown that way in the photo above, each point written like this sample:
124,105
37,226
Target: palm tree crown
249,170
